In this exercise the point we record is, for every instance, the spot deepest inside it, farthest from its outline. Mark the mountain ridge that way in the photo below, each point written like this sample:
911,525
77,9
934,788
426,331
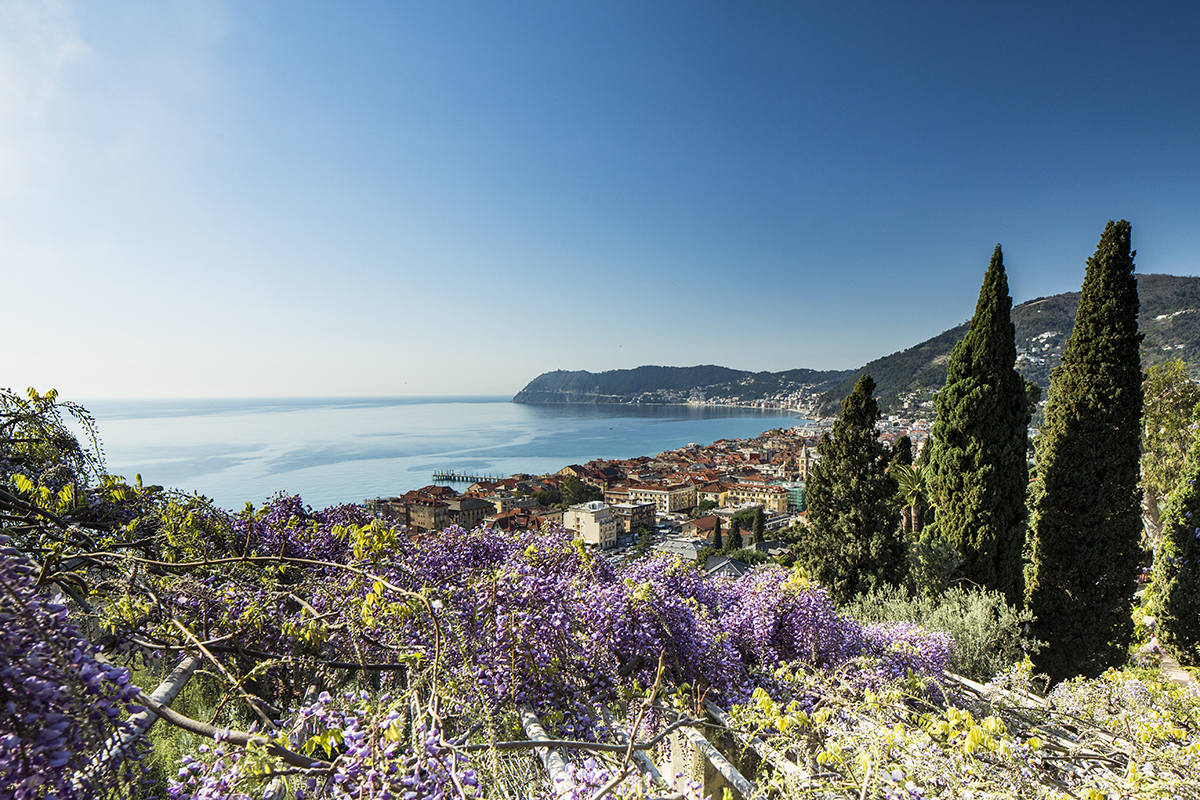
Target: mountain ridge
1169,318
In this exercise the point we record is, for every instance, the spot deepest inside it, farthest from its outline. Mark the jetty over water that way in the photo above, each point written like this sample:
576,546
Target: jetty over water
460,477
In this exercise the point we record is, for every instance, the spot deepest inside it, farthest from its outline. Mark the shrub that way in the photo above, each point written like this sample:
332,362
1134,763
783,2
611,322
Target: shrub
932,562
989,636
748,556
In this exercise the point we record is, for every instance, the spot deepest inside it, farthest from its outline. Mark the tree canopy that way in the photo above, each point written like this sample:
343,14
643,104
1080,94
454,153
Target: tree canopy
855,541
1175,583
1085,512
977,472
1170,402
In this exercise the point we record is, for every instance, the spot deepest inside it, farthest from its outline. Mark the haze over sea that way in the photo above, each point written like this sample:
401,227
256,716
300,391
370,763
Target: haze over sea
344,450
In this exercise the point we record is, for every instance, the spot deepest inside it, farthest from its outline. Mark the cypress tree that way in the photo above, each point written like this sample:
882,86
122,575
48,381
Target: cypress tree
902,451
978,477
760,525
717,534
1175,586
735,535
856,543
1085,520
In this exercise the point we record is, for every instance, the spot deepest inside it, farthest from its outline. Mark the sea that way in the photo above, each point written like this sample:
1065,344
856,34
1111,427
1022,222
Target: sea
346,450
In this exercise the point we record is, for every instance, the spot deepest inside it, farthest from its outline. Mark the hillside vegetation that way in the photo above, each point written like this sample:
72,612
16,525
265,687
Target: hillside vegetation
653,384
1169,318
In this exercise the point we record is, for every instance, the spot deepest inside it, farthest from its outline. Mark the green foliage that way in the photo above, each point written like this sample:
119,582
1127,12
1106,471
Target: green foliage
932,562
1175,586
855,543
744,518
977,467
1169,408
575,491
1033,396
793,534
988,633
645,540
748,556
748,519
203,697
912,490
1085,510
902,452
186,529
717,534
733,541
703,507
371,542
35,438
1126,735
548,497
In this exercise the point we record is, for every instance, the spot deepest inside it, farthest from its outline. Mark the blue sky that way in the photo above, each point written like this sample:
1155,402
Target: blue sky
279,198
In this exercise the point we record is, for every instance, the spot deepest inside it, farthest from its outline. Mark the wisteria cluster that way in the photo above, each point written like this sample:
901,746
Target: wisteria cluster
534,618
540,620
893,651
776,616
58,703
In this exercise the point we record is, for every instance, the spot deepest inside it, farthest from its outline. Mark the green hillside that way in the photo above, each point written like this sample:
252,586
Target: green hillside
652,384
1169,318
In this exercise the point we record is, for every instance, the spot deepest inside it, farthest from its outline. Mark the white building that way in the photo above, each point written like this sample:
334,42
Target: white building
594,522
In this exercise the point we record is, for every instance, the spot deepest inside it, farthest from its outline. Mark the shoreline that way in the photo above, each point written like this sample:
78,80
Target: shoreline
797,411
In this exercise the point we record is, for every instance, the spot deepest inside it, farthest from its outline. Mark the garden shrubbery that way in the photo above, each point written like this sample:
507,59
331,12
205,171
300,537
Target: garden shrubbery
989,636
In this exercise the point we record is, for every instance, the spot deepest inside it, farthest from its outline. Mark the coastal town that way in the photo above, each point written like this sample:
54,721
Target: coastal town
676,501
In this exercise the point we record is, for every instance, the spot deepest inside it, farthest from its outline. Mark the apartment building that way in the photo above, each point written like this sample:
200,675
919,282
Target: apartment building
773,499
666,499
632,516
594,522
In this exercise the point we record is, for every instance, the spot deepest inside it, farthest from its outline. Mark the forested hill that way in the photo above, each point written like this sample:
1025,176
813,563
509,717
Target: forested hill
1169,318
652,384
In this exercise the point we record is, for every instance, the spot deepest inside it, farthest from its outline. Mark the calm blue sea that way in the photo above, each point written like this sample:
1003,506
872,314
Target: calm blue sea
348,449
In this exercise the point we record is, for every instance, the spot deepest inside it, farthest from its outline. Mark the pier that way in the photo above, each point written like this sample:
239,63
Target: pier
455,477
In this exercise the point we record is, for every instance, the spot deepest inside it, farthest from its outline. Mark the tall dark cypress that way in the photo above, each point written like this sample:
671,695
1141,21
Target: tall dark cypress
902,452
735,536
856,542
978,477
1085,522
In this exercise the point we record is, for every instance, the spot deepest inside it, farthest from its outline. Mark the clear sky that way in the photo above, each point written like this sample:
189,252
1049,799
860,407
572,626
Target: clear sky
407,198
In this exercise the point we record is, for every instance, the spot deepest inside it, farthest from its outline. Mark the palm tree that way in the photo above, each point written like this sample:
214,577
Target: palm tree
912,491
